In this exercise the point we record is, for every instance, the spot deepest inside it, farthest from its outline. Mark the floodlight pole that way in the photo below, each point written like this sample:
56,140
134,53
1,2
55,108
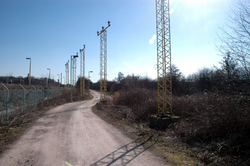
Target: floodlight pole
67,74
71,66
89,81
82,71
29,72
164,76
49,75
103,62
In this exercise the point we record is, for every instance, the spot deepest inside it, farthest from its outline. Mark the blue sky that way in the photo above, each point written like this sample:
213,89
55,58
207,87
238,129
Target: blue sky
49,31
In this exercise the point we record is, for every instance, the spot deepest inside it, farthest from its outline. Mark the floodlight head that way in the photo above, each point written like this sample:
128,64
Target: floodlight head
28,58
48,68
75,56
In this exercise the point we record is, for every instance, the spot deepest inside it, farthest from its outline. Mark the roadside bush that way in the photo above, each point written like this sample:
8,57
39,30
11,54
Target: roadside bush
217,123
142,102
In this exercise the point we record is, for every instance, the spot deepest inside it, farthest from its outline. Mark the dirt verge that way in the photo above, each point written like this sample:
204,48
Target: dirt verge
11,130
166,144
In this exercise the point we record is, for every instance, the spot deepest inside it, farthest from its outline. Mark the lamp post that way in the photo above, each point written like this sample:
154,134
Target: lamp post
58,80
71,59
49,74
29,72
89,81
61,78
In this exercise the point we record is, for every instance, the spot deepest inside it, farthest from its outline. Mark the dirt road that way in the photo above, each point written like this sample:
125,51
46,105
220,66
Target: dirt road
71,134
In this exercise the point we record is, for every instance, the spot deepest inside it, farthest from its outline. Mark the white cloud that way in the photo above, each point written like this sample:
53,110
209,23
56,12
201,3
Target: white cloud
151,41
171,11
154,37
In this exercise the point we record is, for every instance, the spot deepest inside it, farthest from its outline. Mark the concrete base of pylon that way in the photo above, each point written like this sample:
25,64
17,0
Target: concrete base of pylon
162,120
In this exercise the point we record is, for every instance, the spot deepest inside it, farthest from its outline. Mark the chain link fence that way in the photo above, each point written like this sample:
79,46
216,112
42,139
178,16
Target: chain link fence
16,101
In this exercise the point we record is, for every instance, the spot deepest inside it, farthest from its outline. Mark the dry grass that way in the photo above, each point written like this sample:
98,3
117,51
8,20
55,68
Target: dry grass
165,144
215,127
219,125
140,104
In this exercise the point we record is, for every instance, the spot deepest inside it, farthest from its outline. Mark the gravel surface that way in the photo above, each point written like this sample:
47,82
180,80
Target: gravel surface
71,134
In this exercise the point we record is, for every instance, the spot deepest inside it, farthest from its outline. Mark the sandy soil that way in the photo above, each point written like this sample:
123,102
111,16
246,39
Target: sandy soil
71,134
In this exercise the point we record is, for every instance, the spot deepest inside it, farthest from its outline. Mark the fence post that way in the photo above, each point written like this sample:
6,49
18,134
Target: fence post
24,97
7,100
35,96
43,92
49,93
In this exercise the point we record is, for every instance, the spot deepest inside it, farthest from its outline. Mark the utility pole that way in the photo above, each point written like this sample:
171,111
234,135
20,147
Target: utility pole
103,62
164,76
82,71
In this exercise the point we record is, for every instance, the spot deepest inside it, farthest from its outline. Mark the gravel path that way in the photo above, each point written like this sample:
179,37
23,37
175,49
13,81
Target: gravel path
71,134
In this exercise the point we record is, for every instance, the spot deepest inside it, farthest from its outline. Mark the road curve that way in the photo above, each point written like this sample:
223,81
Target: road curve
71,134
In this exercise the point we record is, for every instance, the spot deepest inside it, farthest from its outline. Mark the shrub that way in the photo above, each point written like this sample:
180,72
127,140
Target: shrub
221,121
219,124
142,102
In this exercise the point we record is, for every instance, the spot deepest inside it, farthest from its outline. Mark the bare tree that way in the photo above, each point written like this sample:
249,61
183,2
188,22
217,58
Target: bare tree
229,67
176,74
120,77
235,38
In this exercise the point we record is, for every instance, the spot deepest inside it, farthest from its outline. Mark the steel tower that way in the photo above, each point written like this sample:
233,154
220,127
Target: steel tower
163,56
74,70
82,71
103,62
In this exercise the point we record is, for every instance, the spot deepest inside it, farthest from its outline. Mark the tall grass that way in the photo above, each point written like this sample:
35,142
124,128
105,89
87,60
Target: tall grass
142,102
216,123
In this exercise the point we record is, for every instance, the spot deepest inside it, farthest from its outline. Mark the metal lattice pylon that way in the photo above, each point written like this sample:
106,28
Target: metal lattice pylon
82,71
103,62
163,56
67,74
74,71
74,74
